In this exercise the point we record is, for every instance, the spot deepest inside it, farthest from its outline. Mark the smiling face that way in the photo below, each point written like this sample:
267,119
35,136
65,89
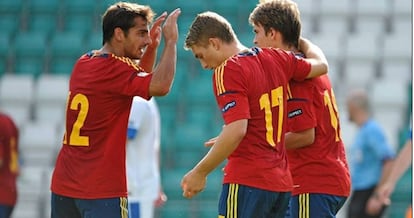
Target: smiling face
136,39
125,29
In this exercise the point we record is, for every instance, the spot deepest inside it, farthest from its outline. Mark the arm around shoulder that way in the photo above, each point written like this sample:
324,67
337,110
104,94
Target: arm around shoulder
315,56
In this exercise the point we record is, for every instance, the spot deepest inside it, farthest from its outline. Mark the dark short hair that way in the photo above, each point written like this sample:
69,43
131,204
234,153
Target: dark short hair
122,15
282,16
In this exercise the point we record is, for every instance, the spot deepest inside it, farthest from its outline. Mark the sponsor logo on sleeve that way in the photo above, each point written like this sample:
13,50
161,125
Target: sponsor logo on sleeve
295,113
228,106
300,55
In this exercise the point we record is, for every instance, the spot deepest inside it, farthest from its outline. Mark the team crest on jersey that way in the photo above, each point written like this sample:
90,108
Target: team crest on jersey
228,106
142,74
295,113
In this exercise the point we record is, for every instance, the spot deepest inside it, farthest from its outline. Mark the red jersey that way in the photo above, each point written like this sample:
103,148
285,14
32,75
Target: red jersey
9,167
91,162
253,85
322,166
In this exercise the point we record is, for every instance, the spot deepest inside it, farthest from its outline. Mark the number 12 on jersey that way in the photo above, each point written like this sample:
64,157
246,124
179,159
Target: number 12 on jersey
267,103
80,103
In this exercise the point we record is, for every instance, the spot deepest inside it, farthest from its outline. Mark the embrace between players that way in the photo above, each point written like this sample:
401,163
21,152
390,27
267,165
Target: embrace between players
281,135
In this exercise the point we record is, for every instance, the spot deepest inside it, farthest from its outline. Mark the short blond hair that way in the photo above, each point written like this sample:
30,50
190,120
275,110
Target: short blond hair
209,25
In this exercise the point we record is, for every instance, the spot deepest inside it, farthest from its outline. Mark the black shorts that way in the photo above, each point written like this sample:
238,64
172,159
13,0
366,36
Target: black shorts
358,202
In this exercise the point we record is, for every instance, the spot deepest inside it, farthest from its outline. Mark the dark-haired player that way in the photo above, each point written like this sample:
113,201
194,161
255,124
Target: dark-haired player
89,179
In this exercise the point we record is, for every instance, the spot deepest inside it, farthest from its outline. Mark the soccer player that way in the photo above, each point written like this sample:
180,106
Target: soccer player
316,152
250,86
9,165
89,179
143,173
371,156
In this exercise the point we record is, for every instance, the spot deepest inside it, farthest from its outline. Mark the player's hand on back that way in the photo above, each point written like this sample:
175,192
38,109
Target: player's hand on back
170,28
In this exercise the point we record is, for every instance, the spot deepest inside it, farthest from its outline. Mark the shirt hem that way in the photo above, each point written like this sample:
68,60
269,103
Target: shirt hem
91,196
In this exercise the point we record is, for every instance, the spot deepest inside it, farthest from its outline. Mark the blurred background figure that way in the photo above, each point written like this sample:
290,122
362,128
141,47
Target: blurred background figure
370,158
143,159
9,165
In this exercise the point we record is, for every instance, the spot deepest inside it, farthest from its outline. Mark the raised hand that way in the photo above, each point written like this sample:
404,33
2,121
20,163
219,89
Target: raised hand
170,28
155,31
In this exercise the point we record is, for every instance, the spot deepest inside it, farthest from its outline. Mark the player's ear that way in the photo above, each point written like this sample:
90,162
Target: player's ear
215,43
119,34
276,36
273,34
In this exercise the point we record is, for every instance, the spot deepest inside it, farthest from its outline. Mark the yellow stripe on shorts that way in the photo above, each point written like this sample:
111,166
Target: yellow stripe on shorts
123,203
304,205
232,201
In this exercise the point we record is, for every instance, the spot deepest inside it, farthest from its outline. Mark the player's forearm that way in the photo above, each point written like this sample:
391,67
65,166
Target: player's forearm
226,143
315,57
386,170
401,163
148,59
294,140
163,74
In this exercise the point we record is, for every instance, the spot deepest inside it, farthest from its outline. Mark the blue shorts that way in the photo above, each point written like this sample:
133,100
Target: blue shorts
246,202
6,211
66,207
314,205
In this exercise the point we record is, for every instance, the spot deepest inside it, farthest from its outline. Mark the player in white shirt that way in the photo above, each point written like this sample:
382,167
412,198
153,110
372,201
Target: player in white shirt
142,160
